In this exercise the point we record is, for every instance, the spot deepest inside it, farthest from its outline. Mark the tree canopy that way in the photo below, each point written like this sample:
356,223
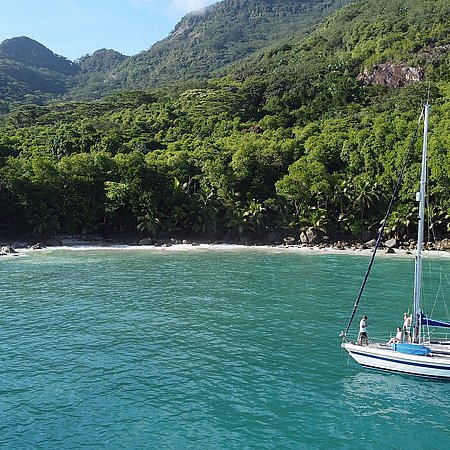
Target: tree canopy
300,135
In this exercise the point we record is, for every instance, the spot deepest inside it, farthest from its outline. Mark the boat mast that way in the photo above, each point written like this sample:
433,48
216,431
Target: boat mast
420,197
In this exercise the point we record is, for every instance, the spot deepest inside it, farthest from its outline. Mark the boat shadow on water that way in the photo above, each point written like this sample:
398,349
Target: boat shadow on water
373,392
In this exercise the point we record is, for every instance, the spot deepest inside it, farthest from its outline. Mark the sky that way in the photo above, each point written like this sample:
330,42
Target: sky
74,28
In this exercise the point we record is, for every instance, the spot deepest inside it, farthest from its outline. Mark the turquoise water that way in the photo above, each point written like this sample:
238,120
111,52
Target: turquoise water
217,349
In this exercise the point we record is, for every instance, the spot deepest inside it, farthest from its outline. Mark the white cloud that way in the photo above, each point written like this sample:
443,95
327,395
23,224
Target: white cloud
185,6
174,7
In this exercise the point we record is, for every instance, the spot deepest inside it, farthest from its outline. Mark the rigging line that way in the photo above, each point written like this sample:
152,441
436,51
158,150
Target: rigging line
384,222
430,215
445,303
431,238
430,224
439,292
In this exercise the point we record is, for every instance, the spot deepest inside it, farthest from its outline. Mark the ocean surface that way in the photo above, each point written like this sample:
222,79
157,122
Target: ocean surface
202,348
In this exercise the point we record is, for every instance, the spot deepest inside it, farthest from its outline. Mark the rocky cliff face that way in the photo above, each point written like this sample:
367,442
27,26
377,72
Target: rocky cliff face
394,75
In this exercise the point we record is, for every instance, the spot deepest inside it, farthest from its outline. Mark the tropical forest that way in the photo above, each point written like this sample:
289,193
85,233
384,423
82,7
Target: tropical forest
298,116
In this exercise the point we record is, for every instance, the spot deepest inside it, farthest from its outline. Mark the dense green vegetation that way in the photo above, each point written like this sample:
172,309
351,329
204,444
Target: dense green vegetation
89,82
293,138
200,45
31,73
204,43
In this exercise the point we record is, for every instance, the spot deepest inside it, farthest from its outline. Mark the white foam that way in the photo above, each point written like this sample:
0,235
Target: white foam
93,246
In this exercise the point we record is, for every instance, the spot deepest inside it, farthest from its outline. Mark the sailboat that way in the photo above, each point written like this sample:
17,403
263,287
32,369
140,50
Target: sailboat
422,356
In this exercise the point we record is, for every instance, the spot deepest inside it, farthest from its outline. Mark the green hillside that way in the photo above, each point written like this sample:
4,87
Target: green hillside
23,84
30,72
89,82
200,45
203,43
31,53
366,43
308,133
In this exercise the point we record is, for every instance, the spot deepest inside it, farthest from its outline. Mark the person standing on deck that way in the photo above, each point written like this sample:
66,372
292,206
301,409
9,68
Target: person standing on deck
407,319
363,331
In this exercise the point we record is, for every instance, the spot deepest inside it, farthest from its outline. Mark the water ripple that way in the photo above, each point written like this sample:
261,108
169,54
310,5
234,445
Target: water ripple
135,349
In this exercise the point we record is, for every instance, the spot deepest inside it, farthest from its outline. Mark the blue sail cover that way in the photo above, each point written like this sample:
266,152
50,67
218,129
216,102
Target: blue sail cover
434,323
411,349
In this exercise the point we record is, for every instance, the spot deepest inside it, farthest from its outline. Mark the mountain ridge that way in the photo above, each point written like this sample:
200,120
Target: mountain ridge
290,139
27,51
200,46
234,29
32,73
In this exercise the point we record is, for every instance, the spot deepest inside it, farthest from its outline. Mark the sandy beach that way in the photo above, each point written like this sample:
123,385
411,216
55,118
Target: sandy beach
98,243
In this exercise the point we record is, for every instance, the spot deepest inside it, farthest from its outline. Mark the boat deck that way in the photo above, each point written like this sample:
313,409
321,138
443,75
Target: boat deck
441,350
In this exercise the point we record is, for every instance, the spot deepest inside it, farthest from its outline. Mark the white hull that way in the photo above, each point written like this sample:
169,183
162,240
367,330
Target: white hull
381,357
439,348
431,360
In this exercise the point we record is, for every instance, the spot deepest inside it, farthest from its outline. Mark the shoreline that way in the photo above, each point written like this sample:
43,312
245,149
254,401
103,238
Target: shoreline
101,243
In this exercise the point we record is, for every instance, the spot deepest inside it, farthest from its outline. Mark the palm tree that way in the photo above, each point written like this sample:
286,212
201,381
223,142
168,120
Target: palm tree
202,211
343,195
45,221
438,218
345,222
256,215
237,221
316,218
148,222
400,220
366,196
178,216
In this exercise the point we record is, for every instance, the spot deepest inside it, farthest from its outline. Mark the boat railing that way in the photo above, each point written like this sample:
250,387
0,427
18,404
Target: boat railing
436,336
377,338
382,338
